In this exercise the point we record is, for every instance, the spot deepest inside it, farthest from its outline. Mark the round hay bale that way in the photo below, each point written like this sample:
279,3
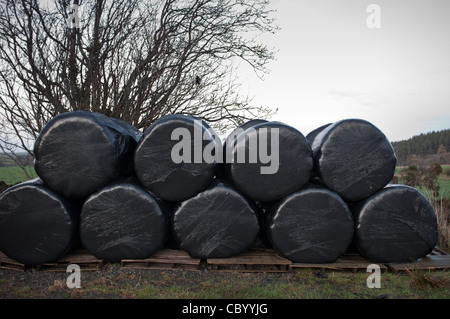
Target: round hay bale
37,225
269,161
312,135
123,221
353,158
230,140
396,224
217,223
169,159
234,134
79,152
313,225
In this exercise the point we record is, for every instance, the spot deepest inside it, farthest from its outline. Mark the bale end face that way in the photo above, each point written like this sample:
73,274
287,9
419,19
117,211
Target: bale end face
170,158
36,225
123,221
217,223
269,161
353,158
313,225
79,152
396,224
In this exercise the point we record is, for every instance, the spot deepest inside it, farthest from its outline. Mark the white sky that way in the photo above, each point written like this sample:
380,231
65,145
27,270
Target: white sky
330,65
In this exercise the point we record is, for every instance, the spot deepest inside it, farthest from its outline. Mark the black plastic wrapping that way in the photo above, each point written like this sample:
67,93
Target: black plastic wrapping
396,224
233,135
123,221
294,163
155,167
230,139
217,223
37,225
313,225
353,158
312,135
310,138
79,152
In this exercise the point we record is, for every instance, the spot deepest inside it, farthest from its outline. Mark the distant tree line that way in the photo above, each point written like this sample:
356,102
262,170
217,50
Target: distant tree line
434,146
17,159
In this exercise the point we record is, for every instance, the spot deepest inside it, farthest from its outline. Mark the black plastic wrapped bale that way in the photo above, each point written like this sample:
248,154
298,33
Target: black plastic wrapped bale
79,152
231,138
170,158
310,138
123,221
217,223
128,159
233,135
312,135
313,225
396,224
353,158
37,225
269,161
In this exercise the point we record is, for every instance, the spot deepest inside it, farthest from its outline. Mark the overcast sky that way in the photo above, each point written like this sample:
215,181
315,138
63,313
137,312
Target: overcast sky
330,65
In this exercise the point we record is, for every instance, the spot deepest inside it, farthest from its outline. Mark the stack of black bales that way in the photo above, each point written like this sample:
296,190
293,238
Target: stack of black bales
85,193
125,194
354,160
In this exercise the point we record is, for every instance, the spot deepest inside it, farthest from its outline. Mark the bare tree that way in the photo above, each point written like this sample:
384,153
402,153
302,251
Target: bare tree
128,59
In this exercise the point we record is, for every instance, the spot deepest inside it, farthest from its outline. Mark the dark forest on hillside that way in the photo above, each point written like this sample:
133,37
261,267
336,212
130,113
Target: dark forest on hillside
424,149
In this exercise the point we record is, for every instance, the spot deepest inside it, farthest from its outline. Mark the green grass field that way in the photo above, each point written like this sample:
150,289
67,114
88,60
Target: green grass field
443,181
14,174
444,168
444,187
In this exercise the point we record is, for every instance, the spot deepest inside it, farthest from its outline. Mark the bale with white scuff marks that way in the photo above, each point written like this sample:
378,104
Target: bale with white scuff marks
37,225
313,225
170,171
216,223
353,158
79,152
123,221
396,224
269,161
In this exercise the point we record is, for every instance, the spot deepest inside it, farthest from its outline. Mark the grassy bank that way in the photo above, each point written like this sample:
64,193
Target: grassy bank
118,282
14,174
443,181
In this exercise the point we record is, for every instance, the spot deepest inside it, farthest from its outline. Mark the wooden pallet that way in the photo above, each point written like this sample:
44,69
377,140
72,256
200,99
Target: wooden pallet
8,263
253,260
165,259
348,262
438,252
81,257
438,259
430,262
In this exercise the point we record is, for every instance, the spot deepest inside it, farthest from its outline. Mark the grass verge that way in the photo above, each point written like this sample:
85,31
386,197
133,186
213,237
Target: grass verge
14,174
302,284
